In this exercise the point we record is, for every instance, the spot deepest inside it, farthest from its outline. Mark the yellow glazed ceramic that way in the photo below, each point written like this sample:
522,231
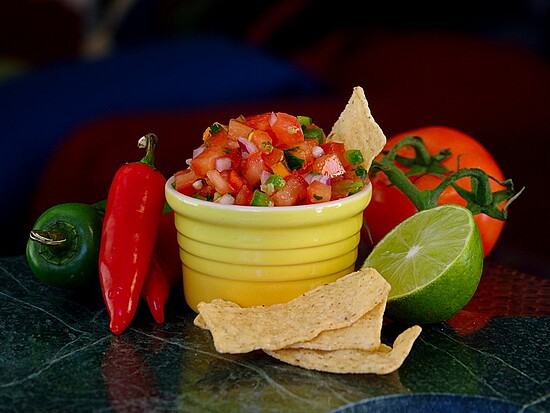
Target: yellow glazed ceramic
264,255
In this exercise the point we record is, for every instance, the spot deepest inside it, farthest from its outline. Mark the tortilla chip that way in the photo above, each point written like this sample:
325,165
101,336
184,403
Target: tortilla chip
384,360
327,307
364,334
357,129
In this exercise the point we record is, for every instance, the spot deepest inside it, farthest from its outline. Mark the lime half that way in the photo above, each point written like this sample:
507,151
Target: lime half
433,262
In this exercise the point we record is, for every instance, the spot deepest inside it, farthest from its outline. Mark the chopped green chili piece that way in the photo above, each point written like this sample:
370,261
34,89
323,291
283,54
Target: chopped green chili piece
361,172
354,156
277,181
293,162
348,186
215,127
304,120
261,199
314,133
199,196
317,197
355,187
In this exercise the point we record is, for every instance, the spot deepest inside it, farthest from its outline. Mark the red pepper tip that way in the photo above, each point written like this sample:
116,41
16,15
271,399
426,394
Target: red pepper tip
157,309
117,328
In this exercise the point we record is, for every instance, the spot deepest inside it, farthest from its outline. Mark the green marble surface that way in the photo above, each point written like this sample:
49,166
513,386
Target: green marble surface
58,355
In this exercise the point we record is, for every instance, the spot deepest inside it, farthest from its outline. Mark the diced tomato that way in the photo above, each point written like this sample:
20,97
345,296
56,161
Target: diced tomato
334,147
304,151
206,191
318,192
238,129
262,140
206,160
329,164
293,192
184,181
218,182
280,169
236,159
276,155
220,138
235,180
253,167
261,122
287,129
244,196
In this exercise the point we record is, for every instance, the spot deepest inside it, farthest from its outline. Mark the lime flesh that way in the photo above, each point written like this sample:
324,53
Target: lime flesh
433,262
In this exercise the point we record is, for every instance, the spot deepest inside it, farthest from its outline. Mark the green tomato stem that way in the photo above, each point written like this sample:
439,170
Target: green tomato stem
480,198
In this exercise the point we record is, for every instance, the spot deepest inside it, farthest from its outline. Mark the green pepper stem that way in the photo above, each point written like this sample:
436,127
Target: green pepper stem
47,237
149,142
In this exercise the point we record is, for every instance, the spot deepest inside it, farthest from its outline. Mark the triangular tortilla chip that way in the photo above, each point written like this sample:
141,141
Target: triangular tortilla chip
327,307
357,129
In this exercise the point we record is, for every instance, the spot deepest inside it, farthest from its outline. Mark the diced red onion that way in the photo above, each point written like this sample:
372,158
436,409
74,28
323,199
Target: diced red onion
324,179
226,199
198,151
272,118
246,145
223,163
197,184
188,161
317,152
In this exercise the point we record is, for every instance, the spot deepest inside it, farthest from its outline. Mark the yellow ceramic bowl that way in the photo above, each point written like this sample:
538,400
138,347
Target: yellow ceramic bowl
264,255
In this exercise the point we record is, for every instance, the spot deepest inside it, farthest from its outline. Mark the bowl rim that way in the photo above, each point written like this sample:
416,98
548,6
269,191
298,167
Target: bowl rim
223,207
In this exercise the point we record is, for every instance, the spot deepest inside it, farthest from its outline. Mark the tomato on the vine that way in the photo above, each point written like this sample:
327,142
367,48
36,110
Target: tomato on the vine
389,206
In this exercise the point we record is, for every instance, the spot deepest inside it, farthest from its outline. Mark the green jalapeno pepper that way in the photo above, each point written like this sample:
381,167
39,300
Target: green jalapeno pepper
63,246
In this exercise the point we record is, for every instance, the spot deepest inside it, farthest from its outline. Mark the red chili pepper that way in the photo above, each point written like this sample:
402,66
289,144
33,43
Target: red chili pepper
134,207
165,269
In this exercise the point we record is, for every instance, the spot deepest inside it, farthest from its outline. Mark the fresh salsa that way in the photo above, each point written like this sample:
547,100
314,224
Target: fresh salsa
271,159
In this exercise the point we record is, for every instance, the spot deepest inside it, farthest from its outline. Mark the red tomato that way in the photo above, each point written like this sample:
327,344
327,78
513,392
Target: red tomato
389,206
318,192
218,182
329,164
207,160
262,140
238,129
293,192
220,138
253,167
261,122
287,129
184,181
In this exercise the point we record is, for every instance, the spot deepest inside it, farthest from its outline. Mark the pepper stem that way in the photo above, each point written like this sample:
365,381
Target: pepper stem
47,237
149,142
